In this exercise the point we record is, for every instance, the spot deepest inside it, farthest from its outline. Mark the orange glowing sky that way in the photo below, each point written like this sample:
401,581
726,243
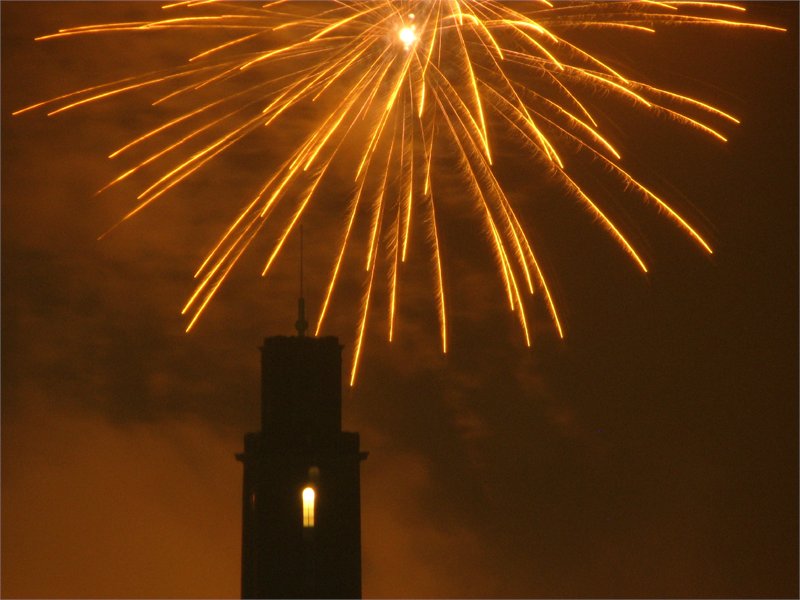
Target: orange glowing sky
651,453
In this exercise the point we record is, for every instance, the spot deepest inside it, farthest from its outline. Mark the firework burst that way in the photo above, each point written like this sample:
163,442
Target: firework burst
402,82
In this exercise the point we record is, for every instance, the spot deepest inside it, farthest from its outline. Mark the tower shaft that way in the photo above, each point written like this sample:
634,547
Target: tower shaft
298,543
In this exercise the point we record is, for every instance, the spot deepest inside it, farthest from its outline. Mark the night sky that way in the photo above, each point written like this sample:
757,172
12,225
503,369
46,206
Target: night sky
651,453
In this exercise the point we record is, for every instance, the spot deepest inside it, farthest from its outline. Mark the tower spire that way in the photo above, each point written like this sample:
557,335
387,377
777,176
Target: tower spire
301,324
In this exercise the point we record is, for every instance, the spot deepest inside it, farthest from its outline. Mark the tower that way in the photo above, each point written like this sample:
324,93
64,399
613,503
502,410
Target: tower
301,513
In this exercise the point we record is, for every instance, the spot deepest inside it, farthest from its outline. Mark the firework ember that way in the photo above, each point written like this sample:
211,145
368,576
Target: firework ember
402,82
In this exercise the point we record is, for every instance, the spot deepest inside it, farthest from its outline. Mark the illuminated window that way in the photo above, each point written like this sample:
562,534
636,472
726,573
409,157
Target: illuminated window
309,496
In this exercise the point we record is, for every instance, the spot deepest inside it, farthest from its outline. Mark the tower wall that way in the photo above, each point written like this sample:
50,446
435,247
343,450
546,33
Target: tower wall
301,444
301,386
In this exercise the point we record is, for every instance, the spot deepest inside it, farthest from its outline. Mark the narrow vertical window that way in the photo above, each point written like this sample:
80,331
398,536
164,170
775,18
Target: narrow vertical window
309,495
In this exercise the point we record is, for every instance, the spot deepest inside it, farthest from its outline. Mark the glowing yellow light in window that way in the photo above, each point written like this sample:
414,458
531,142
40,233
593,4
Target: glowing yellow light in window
309,496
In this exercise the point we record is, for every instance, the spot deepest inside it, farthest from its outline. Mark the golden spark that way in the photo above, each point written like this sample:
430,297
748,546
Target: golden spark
404,82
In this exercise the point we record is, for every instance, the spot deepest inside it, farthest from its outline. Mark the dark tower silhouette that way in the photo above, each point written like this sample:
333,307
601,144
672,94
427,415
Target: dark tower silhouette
301,507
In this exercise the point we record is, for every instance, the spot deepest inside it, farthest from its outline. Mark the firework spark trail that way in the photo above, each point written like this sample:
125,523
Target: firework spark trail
405,83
